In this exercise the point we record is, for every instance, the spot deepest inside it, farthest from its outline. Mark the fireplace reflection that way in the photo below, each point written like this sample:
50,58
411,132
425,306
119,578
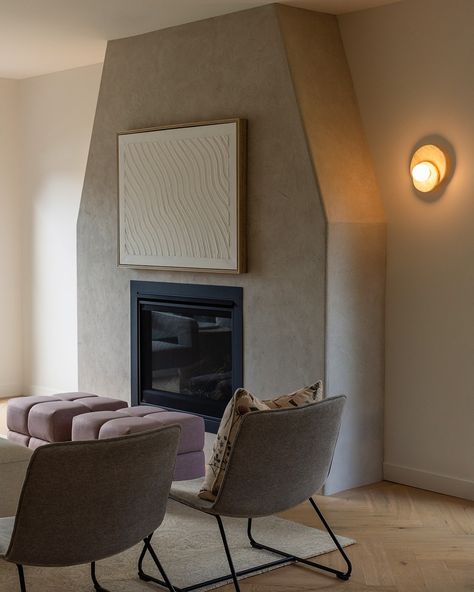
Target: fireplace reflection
192,353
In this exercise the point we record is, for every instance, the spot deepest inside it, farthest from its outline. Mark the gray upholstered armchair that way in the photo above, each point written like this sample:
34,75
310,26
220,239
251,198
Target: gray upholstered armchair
79,505
280,458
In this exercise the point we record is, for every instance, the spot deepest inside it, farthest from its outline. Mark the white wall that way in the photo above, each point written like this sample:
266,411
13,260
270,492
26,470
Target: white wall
10,244
57,112
412,68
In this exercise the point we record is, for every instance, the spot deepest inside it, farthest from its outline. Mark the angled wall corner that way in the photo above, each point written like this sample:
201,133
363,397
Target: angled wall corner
355,255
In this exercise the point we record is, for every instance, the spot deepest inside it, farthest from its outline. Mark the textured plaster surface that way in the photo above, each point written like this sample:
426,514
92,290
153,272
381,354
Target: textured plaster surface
356,239
229,66
290,80
355,349
332,121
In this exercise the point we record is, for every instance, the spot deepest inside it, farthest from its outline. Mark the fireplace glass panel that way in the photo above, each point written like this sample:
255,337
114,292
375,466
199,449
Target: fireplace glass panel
191,352
186,347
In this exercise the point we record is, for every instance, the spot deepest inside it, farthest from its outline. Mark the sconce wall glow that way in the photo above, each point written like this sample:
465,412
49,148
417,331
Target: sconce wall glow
428,167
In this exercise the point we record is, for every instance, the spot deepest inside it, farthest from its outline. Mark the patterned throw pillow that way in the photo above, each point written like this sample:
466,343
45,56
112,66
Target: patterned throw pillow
305,396
241,403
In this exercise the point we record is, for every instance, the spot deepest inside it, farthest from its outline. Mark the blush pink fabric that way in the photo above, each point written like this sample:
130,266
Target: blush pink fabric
33,421
190,462
52,421
19,409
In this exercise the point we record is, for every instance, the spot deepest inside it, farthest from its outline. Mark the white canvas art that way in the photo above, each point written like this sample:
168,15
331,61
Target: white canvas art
179,197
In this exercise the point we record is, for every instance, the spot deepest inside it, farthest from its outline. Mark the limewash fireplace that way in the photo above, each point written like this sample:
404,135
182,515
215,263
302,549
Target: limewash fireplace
186,347
313,305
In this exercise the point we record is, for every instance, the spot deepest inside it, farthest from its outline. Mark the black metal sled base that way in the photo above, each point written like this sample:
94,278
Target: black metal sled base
286,558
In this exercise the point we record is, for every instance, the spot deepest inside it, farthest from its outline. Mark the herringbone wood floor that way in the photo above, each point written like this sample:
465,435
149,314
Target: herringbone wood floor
408,540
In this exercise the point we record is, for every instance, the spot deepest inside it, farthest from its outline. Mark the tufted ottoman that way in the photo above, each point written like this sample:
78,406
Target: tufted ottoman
190,463
34,421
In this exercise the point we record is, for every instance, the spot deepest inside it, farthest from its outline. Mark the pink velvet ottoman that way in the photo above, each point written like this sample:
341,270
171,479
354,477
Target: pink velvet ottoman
190,462
34,421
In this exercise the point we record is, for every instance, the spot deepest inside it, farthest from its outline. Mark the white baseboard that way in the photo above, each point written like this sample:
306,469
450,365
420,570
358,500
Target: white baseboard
425,480
10,390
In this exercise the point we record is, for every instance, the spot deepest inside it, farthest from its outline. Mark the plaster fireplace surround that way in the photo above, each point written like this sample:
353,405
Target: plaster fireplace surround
313,295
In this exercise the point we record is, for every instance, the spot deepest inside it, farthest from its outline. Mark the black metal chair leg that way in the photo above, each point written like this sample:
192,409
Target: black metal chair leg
285,558
97,586
21,577
340,574
165,582
147,578
345,575
227,552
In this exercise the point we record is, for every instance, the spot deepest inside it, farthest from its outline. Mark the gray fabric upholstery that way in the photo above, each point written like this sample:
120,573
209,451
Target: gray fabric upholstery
280,459
84,501
14,460
186,492
6,530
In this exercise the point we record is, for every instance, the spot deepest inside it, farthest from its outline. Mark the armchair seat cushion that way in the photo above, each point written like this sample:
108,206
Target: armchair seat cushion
187,493
6,531
14,461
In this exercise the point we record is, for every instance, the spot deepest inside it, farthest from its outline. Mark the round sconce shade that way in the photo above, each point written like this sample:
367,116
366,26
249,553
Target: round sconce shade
428,167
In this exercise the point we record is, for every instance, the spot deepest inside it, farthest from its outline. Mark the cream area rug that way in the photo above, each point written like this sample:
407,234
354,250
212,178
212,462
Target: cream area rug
189,547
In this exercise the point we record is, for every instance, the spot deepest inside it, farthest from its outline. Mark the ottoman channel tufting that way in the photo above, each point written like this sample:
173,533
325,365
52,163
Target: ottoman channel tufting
34,421
190,463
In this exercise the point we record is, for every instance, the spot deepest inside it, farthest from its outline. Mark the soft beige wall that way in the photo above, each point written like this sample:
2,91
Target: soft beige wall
412,68
57,112
10,243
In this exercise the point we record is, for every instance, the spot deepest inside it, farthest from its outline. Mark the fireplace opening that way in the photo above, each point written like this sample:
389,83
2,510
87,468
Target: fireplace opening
186,347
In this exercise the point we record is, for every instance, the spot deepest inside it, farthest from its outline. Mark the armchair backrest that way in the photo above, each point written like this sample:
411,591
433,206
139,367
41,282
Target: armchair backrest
84,501
280,458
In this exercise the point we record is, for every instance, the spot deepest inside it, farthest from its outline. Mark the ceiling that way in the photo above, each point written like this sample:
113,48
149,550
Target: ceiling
42,36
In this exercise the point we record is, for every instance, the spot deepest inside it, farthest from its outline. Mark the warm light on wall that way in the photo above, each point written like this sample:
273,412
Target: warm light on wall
428,167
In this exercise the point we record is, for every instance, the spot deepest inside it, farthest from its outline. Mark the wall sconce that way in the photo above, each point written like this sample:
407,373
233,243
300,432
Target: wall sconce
428,167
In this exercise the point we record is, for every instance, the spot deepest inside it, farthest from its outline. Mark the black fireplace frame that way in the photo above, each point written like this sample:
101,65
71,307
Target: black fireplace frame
227,297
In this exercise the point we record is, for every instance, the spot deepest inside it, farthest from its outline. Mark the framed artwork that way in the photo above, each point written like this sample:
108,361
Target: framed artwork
181,193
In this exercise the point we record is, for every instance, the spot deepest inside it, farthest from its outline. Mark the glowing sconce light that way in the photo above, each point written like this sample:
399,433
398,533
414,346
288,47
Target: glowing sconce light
425,172
428,167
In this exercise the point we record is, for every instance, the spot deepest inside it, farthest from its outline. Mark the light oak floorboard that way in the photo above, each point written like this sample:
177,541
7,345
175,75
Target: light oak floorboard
408,540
